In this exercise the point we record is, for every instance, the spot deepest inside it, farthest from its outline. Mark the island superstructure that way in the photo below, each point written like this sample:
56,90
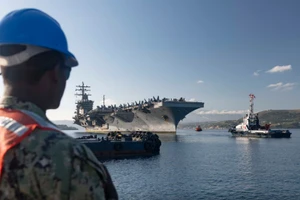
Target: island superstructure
155,114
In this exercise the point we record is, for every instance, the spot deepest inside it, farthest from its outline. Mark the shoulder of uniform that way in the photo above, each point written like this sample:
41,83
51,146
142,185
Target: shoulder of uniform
83,153
50,140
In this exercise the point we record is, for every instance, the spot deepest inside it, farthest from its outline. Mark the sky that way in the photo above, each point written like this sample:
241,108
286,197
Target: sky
213,51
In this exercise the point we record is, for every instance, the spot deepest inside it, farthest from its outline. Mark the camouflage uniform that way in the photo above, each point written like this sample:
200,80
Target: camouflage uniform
50,165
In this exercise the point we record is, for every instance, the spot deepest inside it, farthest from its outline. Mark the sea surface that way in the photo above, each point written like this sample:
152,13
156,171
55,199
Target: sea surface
212,165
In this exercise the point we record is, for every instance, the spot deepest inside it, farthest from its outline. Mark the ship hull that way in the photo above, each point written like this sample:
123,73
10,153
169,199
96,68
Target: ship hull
105,131
119,145
262,134
162,117
106,150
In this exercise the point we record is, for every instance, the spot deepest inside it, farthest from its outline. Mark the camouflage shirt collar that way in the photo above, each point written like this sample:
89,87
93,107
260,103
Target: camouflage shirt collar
15,103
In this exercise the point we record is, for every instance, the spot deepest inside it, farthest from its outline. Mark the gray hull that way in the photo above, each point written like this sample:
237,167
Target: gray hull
155,115
161,117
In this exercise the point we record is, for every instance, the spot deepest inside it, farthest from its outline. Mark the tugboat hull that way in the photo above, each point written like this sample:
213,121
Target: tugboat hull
262,134
119,146
106,150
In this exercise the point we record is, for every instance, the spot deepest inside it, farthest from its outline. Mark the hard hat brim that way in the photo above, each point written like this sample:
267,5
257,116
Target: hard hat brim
70,60
30,51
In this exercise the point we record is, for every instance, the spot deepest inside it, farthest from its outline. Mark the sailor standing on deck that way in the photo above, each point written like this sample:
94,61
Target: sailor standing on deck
37,160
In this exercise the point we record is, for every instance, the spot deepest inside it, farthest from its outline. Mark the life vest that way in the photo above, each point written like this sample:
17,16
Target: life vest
15,125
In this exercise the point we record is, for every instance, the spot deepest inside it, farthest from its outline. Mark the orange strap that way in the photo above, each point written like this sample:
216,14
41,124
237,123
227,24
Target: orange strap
15,125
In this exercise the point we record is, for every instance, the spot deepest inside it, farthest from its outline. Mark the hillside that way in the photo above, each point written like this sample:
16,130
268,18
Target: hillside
69,123
278,119
66,127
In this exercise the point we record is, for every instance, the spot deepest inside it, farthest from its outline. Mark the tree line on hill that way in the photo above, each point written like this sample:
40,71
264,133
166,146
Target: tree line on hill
65,127
277,119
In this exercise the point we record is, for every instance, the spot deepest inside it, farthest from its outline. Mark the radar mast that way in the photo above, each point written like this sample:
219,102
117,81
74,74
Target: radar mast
83,89
84,105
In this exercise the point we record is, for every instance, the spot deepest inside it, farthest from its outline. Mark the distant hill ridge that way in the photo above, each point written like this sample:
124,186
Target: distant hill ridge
66,127
278,119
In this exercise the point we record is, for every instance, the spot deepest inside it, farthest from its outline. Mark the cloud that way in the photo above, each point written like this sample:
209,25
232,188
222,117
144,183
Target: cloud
281,86
256,73
221,112
280,69
192,99
200,81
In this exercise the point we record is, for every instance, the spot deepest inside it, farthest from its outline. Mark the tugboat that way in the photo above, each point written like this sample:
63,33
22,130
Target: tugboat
117,145
250,127
198,128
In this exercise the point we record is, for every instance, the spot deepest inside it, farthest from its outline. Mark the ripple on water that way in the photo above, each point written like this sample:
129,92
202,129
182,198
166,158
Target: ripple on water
212,165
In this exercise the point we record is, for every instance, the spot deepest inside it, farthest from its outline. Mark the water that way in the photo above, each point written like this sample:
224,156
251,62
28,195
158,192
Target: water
212,165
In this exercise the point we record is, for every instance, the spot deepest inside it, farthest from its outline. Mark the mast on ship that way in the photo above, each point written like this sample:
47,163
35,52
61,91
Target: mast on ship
252,119
251,113
84,105
103,100
83,88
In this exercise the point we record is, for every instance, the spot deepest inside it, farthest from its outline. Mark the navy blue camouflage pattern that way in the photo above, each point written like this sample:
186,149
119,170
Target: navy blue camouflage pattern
50,165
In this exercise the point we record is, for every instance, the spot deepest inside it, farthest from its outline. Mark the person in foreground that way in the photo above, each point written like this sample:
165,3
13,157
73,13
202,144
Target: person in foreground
37,160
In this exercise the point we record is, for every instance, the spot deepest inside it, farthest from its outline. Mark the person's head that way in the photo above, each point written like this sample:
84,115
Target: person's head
44,73
34,57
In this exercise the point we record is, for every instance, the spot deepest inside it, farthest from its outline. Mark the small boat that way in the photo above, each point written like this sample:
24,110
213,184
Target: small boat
250,127
118,145
198,128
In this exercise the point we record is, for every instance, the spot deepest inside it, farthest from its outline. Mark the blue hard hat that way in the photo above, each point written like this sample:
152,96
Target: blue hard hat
34,27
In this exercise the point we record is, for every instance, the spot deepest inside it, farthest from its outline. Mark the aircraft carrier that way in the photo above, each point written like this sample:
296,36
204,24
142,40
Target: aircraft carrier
154,115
